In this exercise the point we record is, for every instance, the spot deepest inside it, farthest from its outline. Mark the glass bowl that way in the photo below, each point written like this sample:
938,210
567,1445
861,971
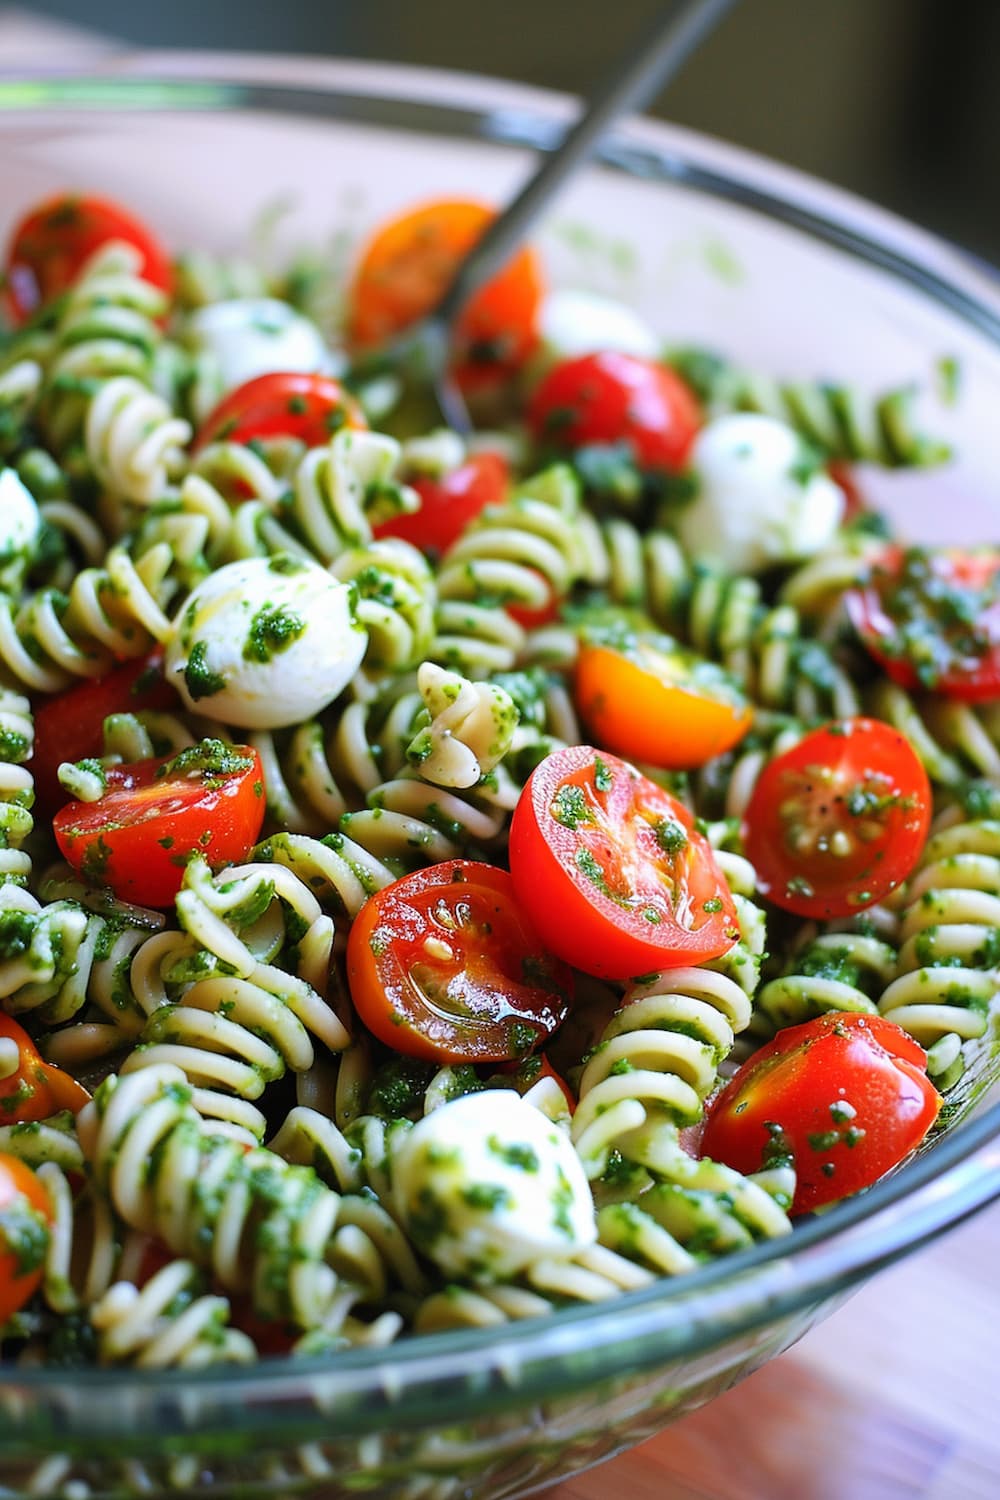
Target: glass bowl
713,247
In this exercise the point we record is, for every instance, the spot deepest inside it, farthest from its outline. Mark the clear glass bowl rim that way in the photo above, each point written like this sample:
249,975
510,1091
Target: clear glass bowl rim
576,1346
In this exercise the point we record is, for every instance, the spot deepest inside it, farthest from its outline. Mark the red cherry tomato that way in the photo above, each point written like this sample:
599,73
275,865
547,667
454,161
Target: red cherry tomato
69,726
449,504
445,965
836,823
406,269
655,702
50,245
284,404
136,839
931,619
612,398
617,879
846,1096
25,1217
36,1089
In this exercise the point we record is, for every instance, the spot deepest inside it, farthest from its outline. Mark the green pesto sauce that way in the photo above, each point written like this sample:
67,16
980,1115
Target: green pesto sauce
272,630
199,678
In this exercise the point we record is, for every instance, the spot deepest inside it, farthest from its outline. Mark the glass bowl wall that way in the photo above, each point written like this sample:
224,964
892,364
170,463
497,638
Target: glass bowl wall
715,248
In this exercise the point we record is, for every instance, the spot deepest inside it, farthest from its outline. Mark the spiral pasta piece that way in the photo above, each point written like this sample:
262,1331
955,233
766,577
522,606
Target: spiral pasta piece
20,387
840,421
396,598
109,614
169,1324
526,551
655,1063
843,971
107,327
16,786
949,960
133,441
260,1226
954,740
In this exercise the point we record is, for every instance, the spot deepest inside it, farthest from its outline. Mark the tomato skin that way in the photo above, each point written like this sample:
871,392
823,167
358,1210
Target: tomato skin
931,619
451,503
454,930
846,1095
69,726
408,265
154,813
282,404
20,1190
50,244
854,779
608,891
647,703
612,397
37,1089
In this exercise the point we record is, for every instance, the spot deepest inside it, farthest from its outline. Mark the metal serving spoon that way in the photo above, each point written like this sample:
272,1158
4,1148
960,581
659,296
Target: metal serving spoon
649,64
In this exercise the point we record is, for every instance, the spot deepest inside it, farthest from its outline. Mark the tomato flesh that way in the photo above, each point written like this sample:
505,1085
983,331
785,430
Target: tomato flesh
654,702
283,404
838,821
618,881
37,1089
445,965
846,1096
137,837
25,1216
407,267
612,397
69,727
450,504
51,244
931,619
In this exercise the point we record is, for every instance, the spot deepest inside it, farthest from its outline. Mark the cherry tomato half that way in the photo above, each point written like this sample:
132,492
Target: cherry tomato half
445,965
69,726
836,823
137,837
449,504
846,1096
50,245
25,1217
649,699
612,398
36,1089
407,267
618,881
284,404
932,619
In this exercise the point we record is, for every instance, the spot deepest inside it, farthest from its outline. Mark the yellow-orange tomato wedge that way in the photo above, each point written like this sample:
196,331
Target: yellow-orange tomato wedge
652,701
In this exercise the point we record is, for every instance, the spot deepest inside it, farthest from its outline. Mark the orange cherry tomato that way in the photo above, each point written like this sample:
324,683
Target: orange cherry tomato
845,1096
449,504
931,619
283,404
652,701
617,879
445,965
617,398
25,1217
70,725
37,1089
838,821
407,267
136,839
50,245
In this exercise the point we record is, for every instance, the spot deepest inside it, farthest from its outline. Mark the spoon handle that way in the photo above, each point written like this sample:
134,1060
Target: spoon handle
648,65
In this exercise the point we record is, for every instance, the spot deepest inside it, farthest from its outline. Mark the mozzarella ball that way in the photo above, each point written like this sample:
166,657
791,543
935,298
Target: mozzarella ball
250,336
487,1184
572,323
20,520
761,499
265,642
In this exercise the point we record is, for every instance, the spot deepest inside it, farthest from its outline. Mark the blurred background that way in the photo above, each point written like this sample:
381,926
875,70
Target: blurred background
894,99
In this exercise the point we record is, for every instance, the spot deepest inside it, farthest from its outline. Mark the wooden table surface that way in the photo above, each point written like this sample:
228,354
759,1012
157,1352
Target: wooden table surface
894,1397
